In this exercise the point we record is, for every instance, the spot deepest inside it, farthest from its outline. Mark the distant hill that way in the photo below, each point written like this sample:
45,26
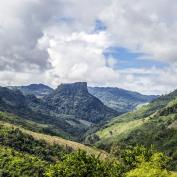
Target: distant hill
39,90
119,99
13,101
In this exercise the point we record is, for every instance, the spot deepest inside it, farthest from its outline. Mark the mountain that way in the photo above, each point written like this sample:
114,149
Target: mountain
119,99
153,124
75,100
29,107
39,90
69,111
13,101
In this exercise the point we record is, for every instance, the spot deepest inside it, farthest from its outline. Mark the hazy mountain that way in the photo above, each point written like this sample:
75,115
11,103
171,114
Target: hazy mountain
13,101
39,90
119,99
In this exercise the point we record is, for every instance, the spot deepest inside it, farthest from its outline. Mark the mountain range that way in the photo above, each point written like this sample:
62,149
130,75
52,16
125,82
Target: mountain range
70,109
67,111
39,90
39,127
118,99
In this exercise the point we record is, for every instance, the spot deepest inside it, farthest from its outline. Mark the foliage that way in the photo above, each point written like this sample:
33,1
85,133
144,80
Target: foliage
15,138
13,163
155,123
152,168
135,162
80,164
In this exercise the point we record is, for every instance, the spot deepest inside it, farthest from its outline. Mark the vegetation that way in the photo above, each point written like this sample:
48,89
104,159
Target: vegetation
25,153
154,124
16,139
135,162
80,164
13,163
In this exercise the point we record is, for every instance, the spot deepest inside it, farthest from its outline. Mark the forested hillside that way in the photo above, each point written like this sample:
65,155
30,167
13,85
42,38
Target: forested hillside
25,153
151,125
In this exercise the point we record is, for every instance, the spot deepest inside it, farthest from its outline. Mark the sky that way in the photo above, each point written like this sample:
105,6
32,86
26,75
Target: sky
131,44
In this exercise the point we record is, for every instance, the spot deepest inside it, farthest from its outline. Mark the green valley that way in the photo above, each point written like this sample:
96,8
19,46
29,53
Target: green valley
37,136
151,125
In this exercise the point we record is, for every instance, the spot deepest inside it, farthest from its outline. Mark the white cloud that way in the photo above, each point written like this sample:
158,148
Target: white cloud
78,56
144,26
53,41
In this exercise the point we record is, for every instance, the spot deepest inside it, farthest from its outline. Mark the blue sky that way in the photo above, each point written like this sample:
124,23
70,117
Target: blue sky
99,26
127,59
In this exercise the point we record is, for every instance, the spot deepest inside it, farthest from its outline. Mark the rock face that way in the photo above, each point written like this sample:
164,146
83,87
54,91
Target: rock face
74,99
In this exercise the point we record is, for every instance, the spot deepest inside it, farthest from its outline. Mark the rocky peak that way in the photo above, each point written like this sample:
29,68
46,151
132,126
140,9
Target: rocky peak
74,99
73,88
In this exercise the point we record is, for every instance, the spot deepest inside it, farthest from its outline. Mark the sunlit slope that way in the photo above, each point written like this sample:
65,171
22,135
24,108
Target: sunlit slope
121,126
8,119
154,124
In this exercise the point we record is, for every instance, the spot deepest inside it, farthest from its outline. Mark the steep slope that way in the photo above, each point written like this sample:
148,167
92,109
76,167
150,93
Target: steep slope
13,101
21,139
32,110
119,99
155,123
75,100
39,90
27,153
137,118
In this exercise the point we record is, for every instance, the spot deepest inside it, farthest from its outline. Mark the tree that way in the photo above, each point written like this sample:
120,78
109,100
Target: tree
155,167
79,164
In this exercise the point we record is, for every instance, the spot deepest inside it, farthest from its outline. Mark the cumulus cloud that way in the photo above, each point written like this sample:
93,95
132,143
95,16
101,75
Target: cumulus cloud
147,27
78,56
54,41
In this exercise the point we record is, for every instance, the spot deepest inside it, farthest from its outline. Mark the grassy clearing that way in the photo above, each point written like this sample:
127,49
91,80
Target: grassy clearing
120,129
